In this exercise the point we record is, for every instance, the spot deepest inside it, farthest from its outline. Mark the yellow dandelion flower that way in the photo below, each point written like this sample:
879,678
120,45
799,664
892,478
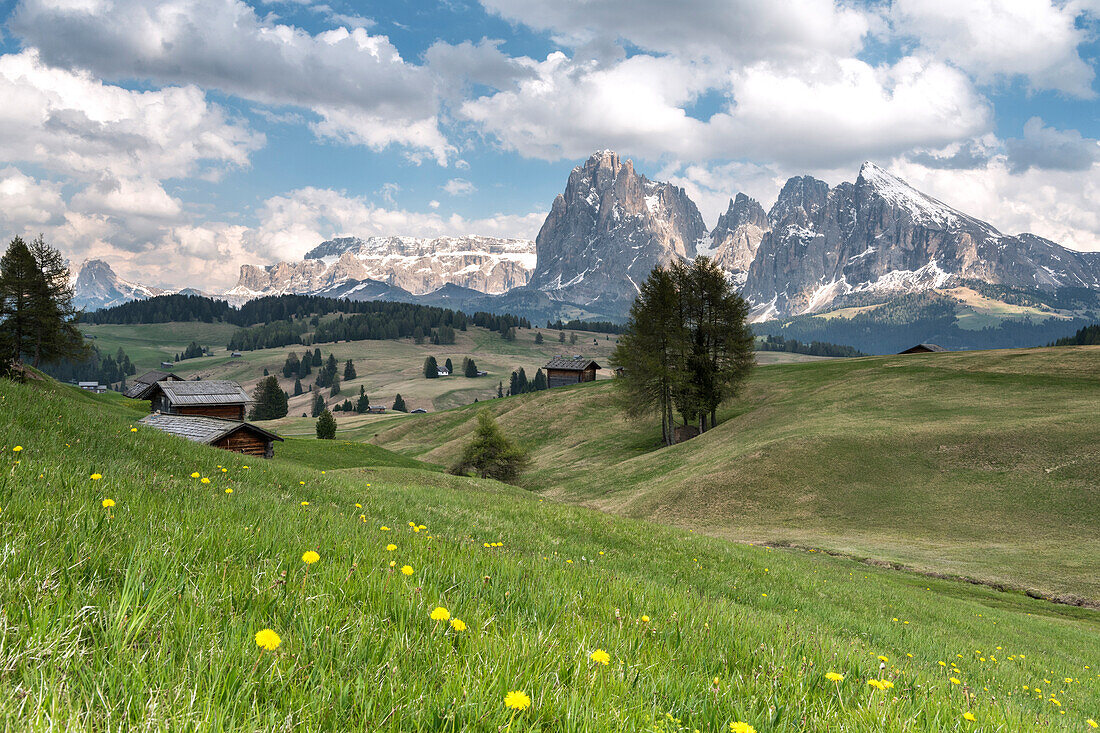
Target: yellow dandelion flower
225,470
108,503
740,727
884,659
196,474
305,503
358,506
439,613
229,491
391,548
645,619
458,625
96,476
887,684
310,557
517,700
969,716
205,480
600,657
384,529
943,664
17,448
301,483
956,681
268,640
406,570
393,563
133,430
1092,723
834,676
876,684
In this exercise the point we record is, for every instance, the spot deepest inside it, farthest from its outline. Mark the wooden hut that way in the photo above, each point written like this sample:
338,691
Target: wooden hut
563,370
142,386
231,435
923,349
212,398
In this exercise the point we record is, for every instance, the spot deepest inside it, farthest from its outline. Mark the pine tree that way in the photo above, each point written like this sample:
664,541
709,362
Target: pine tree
297,387
304,368
363,404
399,404
491,454
540,381
335,388
561,337
55,334
326,426
572,339
17,273
431,368
500,389
317,357
471,369
269,401
349,371
292,366
449,366
538,337
318,404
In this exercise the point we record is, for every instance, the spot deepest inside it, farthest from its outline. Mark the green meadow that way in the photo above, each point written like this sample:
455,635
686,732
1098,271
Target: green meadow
144,614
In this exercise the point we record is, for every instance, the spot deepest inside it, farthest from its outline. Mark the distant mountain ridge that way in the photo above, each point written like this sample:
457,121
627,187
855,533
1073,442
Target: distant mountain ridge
96,286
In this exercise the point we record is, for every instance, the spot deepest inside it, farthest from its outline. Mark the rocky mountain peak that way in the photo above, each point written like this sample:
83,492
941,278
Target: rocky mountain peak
608,229
98,286
737,235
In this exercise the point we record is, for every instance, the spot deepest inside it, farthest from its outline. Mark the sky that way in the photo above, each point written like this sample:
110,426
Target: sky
179,139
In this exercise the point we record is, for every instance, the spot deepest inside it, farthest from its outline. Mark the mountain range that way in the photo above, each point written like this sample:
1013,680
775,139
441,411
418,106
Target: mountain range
818,248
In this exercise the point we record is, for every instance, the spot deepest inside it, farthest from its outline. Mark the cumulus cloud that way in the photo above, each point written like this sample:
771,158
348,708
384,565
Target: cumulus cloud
459,187
358,83
26,203
1050,149
1002,39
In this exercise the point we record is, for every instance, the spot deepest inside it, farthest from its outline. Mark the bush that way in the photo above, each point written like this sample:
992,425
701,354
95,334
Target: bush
326,426
491,454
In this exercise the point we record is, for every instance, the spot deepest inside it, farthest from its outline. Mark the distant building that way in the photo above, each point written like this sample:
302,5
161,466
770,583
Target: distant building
376,409
95,387
442,371
236,354
231,435
210,398
167,364
564,370
923,349
142,386
482,373
417,411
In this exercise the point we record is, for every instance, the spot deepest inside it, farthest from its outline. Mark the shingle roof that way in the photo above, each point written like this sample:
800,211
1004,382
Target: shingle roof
571,363
203,392
141,386
201,429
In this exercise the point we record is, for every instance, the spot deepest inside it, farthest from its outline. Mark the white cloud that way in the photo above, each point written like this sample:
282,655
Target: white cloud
1051,149
1001,39
459,187
745,30
357,82
826,114
26,203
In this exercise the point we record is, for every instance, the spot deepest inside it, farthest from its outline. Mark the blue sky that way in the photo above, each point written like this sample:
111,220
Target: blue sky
178,139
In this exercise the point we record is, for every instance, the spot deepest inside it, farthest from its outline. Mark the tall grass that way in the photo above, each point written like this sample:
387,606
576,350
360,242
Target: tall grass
143,615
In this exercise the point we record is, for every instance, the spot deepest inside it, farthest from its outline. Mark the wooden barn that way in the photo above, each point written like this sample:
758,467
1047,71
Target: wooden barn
231,435
563,370
213,398
142,386
923,349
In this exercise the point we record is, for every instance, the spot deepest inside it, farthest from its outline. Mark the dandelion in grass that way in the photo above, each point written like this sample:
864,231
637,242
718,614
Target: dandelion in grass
196,474
969,716
133,430
600,657
517,700
956,681
458,624
877,684
229,491
645,619
268,639
391,547
1092,723
439,613
310,557
393,563
205,480
384,528
17,448
108,503
834,676
96,476
884,660
406,570
305,503
739,727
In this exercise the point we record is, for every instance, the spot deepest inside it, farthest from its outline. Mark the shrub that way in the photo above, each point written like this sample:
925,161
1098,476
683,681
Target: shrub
491,454
326,426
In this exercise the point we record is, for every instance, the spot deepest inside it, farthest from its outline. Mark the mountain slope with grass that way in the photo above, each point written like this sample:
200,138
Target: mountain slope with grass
974,464
143,612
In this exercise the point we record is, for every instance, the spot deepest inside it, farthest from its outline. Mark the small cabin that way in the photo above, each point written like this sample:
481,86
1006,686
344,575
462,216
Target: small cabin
230,435
443,372
210,398
376,409
143,385
236,355
564,370
167,364
95,387
923,349
482,373
417,411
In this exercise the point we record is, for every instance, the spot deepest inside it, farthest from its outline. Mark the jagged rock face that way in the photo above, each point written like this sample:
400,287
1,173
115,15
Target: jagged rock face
608,229
97,286
880,235
737,235
417,265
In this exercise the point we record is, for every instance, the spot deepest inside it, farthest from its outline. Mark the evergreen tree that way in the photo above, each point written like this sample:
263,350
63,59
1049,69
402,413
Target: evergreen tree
363,404
509,334
17,274
491,454
540,381
317,357
326,426
399,404
471,369
349,371
266,372
431,368
500,389
297,387
418,335
331,365
55,335
304,368
292,366
449,366
269,401
538,337
335,388
318,404
572,339
347,406
561,337
518,383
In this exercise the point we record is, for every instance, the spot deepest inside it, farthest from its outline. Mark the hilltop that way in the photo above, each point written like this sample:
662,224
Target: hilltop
976,464
143,614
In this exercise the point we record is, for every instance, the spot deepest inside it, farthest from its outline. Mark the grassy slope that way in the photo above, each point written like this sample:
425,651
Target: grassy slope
144,616
978,464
